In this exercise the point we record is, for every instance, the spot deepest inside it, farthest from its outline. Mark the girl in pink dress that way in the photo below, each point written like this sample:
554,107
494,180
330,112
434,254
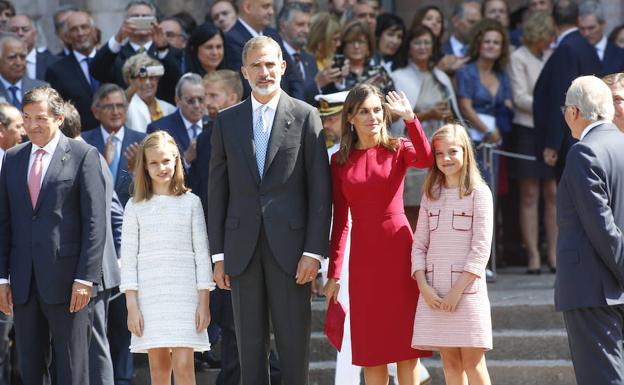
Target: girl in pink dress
449,255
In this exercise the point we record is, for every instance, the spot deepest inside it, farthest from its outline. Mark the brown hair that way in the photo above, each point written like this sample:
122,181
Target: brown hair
356,28
470,175
142,189
348,136
478,32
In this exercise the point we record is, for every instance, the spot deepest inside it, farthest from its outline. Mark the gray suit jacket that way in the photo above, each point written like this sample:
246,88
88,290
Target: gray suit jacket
111,275
292,200
590,216
27,85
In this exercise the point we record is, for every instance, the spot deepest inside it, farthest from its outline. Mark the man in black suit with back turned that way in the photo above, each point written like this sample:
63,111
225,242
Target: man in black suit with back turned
133,38
589,288
254,18
52,234
269,206
573,57
70,76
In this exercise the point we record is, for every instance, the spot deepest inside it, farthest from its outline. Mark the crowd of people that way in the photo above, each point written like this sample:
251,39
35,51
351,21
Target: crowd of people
172,185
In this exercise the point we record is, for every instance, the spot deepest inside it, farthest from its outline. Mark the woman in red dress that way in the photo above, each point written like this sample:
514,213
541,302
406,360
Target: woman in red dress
367,179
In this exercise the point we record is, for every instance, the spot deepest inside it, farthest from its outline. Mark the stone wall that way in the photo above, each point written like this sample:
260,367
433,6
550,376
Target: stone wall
109,13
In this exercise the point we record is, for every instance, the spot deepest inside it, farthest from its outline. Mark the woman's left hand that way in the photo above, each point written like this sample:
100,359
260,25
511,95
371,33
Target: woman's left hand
399,105
450,301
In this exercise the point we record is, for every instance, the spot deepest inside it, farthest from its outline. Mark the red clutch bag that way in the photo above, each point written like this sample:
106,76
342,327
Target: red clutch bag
334,324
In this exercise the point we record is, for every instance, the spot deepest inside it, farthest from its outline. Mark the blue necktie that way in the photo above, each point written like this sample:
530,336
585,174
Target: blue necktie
114,166
194,130
15,101
92,81
261,138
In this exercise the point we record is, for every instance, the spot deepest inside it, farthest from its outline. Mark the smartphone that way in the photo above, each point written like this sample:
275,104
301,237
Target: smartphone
339,60
143,22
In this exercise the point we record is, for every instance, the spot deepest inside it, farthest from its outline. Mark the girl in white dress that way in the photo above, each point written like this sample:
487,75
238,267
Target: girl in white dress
165,270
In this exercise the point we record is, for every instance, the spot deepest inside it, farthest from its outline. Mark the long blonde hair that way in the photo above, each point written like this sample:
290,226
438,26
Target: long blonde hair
348,136
142,189
470,177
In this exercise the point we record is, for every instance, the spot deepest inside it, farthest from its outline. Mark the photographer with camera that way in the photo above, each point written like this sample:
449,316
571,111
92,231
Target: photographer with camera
139,33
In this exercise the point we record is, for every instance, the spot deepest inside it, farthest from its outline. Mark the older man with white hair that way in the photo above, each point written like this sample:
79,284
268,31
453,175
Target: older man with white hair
589,289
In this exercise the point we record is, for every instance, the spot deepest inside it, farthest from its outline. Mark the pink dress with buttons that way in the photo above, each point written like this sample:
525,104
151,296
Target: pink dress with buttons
454,235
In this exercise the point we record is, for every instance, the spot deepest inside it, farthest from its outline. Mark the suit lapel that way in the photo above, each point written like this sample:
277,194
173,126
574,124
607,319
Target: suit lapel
281,124
178,129
60,156
22,165
39,66
244,136
123,165
77,69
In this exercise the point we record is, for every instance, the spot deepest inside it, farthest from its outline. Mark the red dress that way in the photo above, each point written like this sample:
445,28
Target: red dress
382,294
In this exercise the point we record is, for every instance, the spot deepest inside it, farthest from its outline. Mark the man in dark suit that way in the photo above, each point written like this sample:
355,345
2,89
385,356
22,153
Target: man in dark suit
112,138
269,207
52,234
38,59
186,123
70,76
13,80
591,24
132,39
254,18
572,58
294,28
466,15
589,288
100,363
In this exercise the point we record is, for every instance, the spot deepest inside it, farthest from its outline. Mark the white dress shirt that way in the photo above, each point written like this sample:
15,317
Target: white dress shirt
291,51
1,158
589,128
45,164
31,64
601,47
457,46
269,117
84,66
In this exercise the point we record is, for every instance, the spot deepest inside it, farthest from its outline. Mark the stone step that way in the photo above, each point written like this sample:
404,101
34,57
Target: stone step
517,372
508,344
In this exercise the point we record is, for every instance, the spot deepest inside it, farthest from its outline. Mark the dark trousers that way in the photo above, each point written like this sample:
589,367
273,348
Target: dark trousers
595,336
119,340
264,291
6,324
100,363
36,323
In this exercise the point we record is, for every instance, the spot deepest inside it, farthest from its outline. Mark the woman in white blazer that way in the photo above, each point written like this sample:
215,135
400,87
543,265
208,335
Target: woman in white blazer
431,94
142,73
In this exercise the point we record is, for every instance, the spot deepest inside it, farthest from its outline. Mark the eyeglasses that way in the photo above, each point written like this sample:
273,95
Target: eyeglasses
112,107
194,100
422,43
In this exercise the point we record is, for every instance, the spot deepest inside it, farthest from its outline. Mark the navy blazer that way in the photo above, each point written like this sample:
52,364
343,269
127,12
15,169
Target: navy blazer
572,58
67,78
235,40
200,170
62,238
45,59
123,182
310,72
106,67
613,60
590,217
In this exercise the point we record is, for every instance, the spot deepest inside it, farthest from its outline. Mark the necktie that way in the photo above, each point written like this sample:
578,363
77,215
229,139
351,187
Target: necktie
194,130
15,99
92,81
34,177
141,49
261,138
297,59
112,155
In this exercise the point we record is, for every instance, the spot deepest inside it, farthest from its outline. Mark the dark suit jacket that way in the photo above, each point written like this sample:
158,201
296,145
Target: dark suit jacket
235,40
573,57
45,59
310,72
447,48
124,179
200,169
67,78
27,84
613,60
63,237
292,201
111,275
106,67
590,216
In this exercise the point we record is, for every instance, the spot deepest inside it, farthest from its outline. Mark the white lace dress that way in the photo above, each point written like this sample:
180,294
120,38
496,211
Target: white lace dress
164,255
